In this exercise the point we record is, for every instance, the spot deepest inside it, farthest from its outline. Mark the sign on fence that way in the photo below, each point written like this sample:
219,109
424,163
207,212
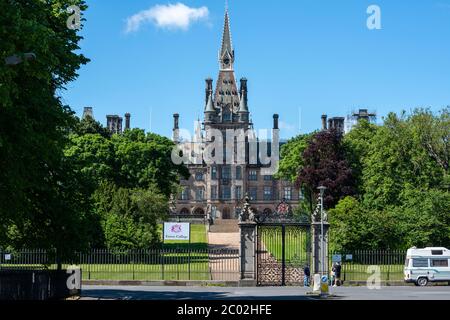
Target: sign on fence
7,257
177,231
336,258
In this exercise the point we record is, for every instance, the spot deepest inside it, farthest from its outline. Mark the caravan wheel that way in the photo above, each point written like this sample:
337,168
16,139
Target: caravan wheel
422,282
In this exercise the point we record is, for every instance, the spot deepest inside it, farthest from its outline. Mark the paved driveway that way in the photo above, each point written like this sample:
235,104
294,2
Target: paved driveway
242,294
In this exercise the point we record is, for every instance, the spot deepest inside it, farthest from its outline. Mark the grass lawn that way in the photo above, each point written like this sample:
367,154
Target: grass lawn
171,266
358,272
296,243
178,261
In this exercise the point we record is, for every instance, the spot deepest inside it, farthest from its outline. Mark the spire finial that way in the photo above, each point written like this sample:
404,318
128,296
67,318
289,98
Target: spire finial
226,55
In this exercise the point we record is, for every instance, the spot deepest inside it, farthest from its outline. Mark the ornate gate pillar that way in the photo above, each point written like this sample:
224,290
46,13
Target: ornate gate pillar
247,254
320,254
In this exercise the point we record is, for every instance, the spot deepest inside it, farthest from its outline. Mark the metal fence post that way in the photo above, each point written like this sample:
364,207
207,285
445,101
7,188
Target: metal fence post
283,255
132,264
162,264
189,264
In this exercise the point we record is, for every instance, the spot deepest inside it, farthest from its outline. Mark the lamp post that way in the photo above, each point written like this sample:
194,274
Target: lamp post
322,253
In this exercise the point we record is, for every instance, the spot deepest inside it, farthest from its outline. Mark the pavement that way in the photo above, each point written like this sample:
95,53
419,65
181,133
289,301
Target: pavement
224,240
269,294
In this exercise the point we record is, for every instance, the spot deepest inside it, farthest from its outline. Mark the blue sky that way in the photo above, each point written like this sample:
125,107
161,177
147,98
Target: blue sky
302,58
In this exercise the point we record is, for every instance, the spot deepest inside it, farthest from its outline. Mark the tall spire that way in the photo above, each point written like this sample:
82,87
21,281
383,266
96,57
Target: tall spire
226,55
226,98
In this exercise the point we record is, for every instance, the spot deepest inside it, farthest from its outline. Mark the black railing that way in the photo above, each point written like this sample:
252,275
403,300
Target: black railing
143,265
358,265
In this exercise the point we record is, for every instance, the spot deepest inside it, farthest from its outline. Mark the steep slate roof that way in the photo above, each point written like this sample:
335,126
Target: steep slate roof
227,46
226,87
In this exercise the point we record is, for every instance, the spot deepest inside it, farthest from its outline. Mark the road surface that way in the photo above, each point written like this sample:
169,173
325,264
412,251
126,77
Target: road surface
245,294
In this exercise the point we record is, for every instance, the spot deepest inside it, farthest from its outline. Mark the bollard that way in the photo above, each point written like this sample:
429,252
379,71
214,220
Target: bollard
317,283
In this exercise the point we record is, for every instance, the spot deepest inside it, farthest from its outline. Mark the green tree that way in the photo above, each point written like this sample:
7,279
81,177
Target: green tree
93,157
88,125
291,157
424,218
397,159
41,199
356,144
356,227
433,134
146,160
130,216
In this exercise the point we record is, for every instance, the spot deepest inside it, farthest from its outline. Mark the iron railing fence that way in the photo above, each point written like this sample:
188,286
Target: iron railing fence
359,265
143,265
190,264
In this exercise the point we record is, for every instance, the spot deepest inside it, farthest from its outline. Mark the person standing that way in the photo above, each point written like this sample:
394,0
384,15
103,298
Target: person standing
307,275
338,269
333,274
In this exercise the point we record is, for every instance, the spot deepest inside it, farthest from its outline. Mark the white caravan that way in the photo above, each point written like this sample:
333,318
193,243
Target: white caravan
427,265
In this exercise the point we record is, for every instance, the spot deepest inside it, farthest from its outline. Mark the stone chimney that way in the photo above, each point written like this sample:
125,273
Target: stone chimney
276,118
127,121
324,122
88,112
244,90
176,127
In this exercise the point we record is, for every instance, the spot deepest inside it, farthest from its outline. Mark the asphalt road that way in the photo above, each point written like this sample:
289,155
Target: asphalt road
245,294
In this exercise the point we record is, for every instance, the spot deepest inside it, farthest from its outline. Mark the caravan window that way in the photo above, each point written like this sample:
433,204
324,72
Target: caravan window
420,263
439,263
407,263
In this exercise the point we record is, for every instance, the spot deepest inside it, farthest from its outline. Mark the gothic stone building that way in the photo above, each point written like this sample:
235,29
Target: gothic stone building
219,189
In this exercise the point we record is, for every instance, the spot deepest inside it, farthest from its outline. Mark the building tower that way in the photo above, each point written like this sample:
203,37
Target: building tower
218,187
114,124
127,121
88,112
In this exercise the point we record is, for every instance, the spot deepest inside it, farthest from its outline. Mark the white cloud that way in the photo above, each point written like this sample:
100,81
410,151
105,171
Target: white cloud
286,126
171,16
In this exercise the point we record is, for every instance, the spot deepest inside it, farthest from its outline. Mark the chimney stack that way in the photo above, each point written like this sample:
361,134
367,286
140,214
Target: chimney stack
276,117
176,127
88,112
324,122
127,121
243,90
176,121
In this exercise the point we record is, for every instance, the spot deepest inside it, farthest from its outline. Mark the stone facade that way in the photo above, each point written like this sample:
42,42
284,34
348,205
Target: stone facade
219,190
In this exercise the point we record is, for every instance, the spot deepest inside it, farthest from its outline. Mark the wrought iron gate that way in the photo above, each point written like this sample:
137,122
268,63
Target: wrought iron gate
283,249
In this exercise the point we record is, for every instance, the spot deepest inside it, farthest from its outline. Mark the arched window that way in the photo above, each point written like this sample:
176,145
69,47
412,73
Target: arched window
199,212
238,173
185,212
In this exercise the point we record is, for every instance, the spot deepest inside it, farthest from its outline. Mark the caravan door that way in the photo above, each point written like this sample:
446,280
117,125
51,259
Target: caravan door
440,269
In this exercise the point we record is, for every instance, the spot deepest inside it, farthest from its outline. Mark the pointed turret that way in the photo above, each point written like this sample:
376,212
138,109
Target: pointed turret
226,55
243,107
210,111
226,96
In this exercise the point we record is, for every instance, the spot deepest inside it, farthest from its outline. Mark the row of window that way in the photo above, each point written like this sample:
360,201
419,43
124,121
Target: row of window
226,174
226,194
423,263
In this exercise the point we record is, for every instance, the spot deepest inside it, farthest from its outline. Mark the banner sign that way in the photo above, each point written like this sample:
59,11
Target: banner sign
177,231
